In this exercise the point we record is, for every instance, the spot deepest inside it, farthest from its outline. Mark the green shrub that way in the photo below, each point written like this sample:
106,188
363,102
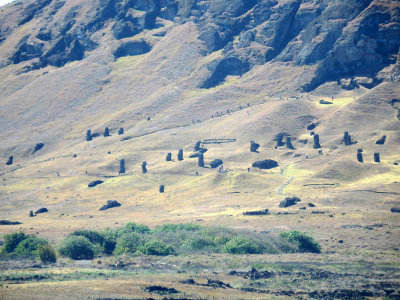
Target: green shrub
108,246
29,246
12,240
77,247
159,248
132,227
177,227
242,245
128,243
302,240
198,243
93,236
46,254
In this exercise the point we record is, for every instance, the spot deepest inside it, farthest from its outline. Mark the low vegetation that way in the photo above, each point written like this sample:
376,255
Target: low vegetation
167,239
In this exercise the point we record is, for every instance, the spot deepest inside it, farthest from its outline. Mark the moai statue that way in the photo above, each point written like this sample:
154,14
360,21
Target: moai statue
360,157
279,140
197,146
162,188
122,166
106,132
377,157
120,131
169,157
289,143
10,161
144,169
347,139
89,135
316,142
31,214
200,160
180,155
254,146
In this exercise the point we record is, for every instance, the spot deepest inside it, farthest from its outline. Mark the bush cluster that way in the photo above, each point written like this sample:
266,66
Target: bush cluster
304,242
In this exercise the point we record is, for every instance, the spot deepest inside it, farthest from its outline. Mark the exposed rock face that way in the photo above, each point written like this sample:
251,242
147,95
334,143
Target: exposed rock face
10,161
316,142
110,204
265,164
122,166
37,147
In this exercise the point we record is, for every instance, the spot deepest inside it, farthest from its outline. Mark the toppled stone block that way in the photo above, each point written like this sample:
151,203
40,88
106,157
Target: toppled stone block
110,204
94,183
289,202
216,163
41,210
265,164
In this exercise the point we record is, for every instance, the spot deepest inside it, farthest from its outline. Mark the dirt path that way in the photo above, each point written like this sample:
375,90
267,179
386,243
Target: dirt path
283,185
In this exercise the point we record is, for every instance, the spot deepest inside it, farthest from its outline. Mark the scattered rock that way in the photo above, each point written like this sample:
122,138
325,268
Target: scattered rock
377,157
94,183
37,148
110,204
6,222
316,142
121,131
265,164
289,202
180,155
256,213
41,211
161,290
217,284
162,188
89,135
10,161
122,166
325,102
254,146
169,157
216,163
381,141
395,209
144,169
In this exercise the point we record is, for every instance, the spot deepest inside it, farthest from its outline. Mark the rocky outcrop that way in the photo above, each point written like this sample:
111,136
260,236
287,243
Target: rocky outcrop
265,164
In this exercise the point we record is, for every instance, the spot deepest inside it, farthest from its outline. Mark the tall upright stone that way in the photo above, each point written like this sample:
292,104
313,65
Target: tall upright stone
121,131
162,189
360,157
347,139
377,157
289,144
254,146
169,157
316,142
89,135
200,160
122,166
180,155
197,146
106,132
10,161
144,169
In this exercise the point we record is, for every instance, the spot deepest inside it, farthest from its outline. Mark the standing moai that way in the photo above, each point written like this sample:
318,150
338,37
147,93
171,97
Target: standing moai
289,143
377,157
106,132
89,135
169,157
316,142
347,139
200,160
31,214
10,161
162,188
144,169
360,156
120,131
180,155
122,166
254,146
197,146
279,141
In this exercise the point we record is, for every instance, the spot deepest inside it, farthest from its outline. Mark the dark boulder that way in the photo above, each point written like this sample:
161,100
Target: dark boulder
289,144
256,213
180,155
312,126
10,161
289,202
37,148
6,222
360,157
110,204
377,157
265,164
41,210
121,131
381,141
311,205
169,157
144,169
122,166
89,135
316,142
395,209
254,146
216,163
94,183
200,160
325,102
162,188
106,132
